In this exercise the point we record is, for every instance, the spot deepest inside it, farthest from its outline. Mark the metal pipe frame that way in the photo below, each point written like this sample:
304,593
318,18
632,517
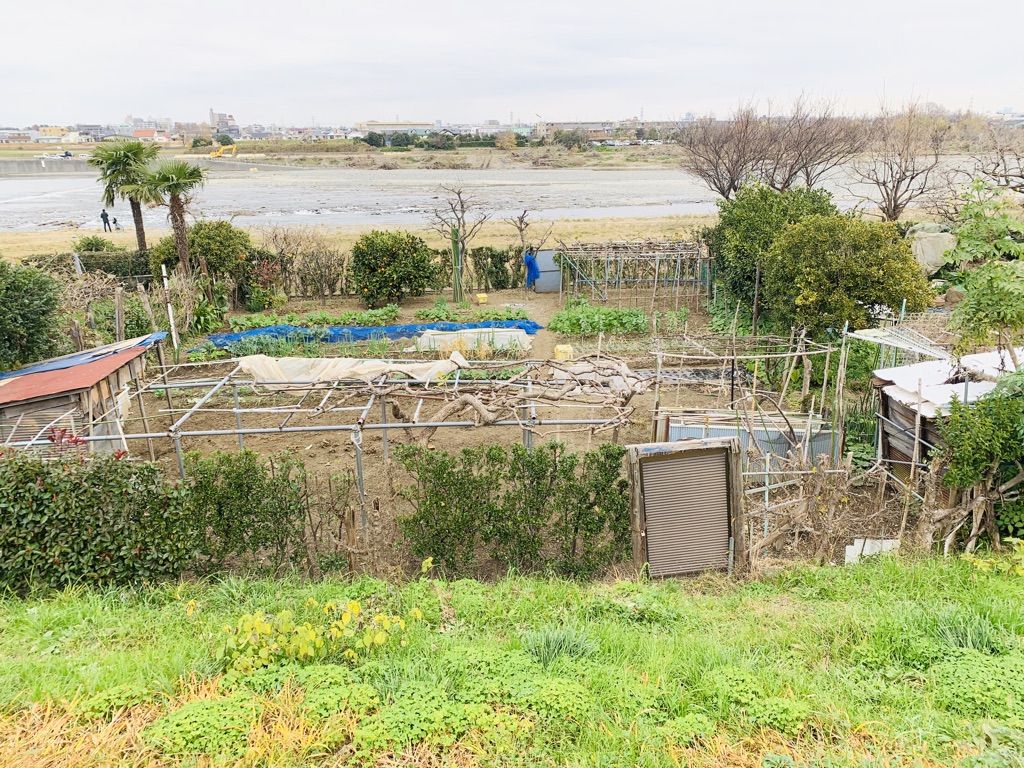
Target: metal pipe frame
339,428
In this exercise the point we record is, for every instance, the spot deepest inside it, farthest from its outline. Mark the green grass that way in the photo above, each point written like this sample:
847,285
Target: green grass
832,666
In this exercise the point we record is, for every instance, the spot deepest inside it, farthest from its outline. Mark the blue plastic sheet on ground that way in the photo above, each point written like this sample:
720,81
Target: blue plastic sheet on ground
336,334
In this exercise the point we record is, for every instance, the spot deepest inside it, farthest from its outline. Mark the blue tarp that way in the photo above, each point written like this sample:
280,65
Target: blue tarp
88,356
337,334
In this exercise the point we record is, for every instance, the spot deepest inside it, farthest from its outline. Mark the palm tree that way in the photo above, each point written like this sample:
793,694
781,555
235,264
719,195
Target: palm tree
172,183
122,164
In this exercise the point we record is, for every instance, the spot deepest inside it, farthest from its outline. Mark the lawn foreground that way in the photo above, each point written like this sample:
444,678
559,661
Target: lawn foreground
892,662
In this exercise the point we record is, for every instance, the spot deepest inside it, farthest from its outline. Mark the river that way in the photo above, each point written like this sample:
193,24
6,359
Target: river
335,197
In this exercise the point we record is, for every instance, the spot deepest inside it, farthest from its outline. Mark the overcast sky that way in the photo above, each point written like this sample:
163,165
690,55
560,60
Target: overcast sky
337,61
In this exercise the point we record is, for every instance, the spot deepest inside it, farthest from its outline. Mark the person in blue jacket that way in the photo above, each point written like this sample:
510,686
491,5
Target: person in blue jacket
532,270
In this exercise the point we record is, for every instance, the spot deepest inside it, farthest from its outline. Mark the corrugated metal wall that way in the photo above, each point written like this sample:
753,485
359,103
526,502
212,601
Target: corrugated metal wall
686,504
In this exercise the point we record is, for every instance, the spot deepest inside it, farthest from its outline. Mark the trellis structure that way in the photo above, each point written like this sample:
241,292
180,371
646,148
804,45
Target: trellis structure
653,275
535,397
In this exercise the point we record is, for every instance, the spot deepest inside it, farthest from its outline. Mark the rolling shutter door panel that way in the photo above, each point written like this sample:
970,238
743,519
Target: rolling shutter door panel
686,502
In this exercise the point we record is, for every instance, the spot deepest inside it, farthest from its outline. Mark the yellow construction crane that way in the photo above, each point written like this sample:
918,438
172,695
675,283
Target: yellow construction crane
224,149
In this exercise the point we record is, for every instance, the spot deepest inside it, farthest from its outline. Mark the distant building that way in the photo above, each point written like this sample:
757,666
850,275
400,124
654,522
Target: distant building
51,131
388,128
151,134
94,130
223,123
164,124
594,130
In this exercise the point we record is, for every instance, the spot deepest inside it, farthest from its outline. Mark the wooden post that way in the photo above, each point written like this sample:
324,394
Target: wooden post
737,518
638,521
76,336
147,307
119,313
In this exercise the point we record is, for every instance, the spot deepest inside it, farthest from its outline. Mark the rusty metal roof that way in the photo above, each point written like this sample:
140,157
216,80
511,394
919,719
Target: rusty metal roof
41,384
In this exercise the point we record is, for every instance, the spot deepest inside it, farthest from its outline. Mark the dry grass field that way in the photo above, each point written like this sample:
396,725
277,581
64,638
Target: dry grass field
15,246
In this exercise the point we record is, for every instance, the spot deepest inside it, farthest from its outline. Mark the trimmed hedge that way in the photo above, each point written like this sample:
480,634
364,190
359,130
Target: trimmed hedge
99,521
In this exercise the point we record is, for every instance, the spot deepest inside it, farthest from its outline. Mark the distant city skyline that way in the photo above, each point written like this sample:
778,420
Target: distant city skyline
334,64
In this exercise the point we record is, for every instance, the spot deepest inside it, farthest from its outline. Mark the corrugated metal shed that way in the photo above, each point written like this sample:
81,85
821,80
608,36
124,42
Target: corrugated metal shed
44,384
924,392
87,356
85,393
550,280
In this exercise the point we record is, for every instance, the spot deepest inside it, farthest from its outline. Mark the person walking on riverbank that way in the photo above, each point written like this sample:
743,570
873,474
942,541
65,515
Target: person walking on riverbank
106,220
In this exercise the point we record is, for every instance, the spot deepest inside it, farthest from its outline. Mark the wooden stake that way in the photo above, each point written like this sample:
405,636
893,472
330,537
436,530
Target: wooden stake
147,307
119,313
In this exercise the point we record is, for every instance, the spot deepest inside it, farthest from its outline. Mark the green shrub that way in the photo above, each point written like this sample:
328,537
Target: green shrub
830,270
1011,519
261,299
119,263
29,299
388,266
516,501
748,226
93,244
226,249
98,521
580,318
136,321
492,267
248,508
215,727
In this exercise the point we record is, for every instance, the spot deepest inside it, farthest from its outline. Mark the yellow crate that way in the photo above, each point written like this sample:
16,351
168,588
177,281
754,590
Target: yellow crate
481,298
563,352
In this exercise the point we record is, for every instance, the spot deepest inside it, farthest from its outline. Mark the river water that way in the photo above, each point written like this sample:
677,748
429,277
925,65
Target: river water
334,197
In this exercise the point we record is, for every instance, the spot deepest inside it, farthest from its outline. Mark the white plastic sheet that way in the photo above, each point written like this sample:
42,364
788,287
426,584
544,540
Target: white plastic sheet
301,370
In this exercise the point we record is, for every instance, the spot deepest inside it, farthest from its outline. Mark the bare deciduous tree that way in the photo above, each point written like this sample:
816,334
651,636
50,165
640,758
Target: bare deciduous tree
723,153
522,224
289,244
321,270
1002,160
459,212
807,144
901,159
780,150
